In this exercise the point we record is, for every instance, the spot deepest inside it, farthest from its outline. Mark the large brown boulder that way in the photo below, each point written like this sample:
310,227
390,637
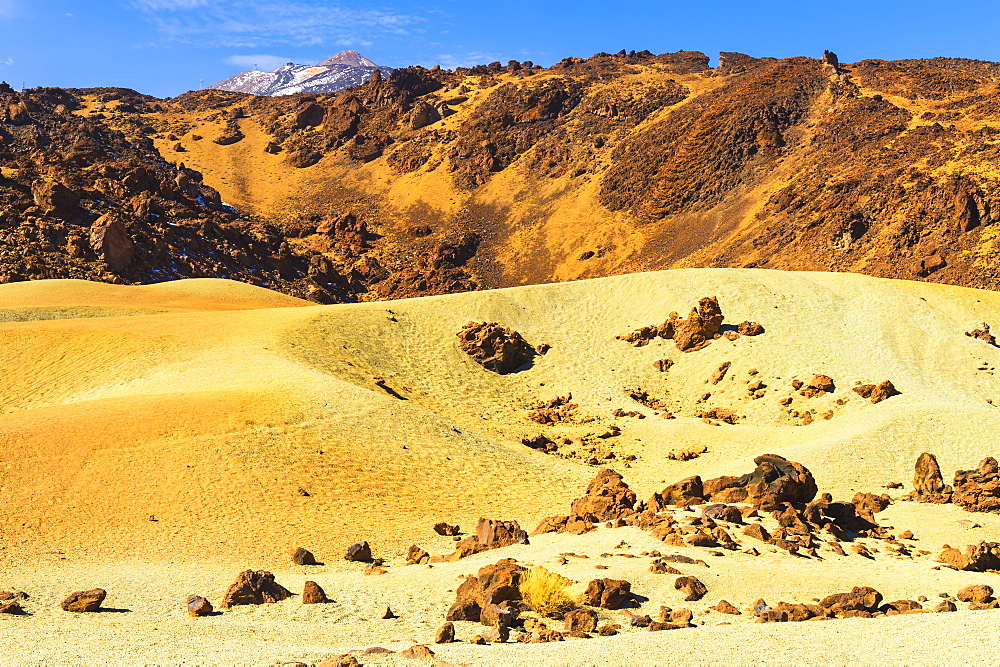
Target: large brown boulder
976,593
303,557
608,593
928,484
490,534
774,481
55,198
312,593
978,490
445,634
494,347
692,588
861,598
876,392
701,326
254,588
976,557
686,492
608,498
111,242
81,601
493,585
581,620
423,114
359,552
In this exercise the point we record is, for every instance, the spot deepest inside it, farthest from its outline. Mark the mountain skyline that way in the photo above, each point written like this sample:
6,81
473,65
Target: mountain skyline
165,47
338,72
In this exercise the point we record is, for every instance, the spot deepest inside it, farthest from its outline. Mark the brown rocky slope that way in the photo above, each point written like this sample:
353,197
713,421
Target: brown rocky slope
434,181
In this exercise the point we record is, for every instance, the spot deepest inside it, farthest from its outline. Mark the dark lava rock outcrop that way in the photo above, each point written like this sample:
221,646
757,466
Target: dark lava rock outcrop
495,348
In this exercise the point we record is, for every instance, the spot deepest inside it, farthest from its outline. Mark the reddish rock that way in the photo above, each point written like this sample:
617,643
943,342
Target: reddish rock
198,606
691,587
312,593
415,555
928,484
494,585
700,327
608,498
445,634
552,524
359,552
725,607
303,557
978,490
773,482
608,593
495,348
254,588
111,242
861,598
417,652
446,529
876,392
83,601
723,512
976,593
747,328
983,334
683,493
581,620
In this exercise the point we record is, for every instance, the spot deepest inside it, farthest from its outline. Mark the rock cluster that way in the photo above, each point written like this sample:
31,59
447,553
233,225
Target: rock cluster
876,392
491,592
495,348
975,558
608,498
978,490
608,593
983,334
490,534
690,334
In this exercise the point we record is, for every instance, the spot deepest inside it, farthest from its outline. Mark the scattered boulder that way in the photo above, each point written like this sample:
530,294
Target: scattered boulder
490,534
581,620
861,598
946,606
493,585
199,606
747,328
494,347
758,532
417,652
976,593
691,587
723,512
230,136
10,607
423,114
699,329
84,601
360,552
345,660
446,529
608,498
978,490
254,588
416,555
774,481
876,392
928,484
724,607
445,634
983,334
608,593
312,593
303,557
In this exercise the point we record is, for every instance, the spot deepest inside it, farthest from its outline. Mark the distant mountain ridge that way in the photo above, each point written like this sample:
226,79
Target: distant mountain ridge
339,72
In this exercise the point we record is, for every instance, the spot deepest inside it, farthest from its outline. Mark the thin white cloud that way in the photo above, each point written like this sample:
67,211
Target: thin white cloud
261,61
8,9
6,62
257,23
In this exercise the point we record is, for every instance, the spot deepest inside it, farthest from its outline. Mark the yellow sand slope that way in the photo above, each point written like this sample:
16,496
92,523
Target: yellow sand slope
213,420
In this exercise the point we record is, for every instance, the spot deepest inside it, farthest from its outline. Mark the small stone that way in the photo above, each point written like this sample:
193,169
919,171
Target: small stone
198,606
83,601
312,593
945,606
976,593
478,640
725,607
388,613
445,634
359,552
417,651
303,557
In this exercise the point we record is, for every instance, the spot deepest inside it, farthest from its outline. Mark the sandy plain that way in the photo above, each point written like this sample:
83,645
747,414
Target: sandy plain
154,441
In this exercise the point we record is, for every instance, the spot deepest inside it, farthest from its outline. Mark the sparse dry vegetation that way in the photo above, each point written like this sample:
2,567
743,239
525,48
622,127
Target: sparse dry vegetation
548,594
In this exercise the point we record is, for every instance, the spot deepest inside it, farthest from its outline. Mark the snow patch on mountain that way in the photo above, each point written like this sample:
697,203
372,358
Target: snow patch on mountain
340,72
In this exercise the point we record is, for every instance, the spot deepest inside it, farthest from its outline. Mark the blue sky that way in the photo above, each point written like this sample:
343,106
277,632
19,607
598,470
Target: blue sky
165,47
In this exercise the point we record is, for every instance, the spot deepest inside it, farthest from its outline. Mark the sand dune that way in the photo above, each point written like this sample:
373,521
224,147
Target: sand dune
182,436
